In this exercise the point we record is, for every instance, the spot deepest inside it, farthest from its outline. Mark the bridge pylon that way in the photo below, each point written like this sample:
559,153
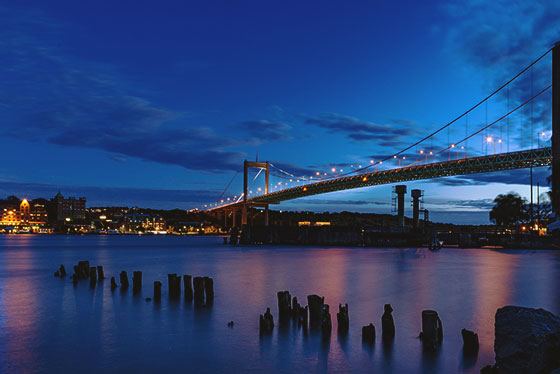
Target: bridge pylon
246,166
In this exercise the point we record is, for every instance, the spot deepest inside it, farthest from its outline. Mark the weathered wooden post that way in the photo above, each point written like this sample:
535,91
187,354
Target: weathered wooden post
124,280
61,271
284,306
387,323
92,276
326,323
157,291
315,303
343,319
83,269
266,322
198,284
368,334
136,282
113,284
174,285
432,329
100,273
187,283
470,342
209,290
74,279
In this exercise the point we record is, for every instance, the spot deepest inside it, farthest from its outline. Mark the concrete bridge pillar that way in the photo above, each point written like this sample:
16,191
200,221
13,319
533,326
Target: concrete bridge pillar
416,195
400,190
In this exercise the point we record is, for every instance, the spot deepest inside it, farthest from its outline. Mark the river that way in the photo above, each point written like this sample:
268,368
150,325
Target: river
48,325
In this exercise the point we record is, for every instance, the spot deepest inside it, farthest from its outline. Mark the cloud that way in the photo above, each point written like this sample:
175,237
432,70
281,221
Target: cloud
339,202
262,131
519,176
49,96
359,130
498,39
96,196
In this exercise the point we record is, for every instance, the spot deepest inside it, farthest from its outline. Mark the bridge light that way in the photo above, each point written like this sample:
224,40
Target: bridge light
395,156
259,189
304,189
489,139
431,153
359,166
371,161
452,145
341,170
500,141
380,162
421,151
317,173
364,179
333,170
325,174
462,147
404,157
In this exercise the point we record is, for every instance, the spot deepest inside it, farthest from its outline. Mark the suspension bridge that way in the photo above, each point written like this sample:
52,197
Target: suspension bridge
426,160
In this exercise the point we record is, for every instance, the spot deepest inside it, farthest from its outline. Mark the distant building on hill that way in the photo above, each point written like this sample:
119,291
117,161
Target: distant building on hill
68,209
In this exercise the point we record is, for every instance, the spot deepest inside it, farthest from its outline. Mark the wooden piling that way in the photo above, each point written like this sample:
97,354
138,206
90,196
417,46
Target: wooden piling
92,276
124,280
157,291
326,322
136,282
368,334
62,271
113,284
209,290
387,323
266,322
174,285
187,283
198,285
432,329
100,273
83,269
315,303
470,341
284,305
343,319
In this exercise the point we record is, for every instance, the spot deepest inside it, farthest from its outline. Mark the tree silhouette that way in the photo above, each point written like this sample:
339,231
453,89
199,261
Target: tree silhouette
509,209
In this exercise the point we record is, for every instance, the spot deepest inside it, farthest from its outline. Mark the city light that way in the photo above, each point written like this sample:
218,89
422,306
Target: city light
489,139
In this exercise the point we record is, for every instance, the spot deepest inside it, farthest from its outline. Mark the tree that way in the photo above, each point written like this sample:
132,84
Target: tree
509,209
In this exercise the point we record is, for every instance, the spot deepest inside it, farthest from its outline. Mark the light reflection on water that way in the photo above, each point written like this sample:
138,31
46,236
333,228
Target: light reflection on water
46,324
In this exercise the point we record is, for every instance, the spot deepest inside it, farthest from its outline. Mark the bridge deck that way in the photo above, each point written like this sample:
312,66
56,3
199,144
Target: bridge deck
474,165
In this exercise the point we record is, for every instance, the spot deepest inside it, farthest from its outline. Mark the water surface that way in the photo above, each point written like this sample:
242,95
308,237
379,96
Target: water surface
47,324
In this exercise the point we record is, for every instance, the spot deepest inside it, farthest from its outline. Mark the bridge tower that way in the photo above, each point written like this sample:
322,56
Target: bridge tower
416,202
258,165
555,180
400,191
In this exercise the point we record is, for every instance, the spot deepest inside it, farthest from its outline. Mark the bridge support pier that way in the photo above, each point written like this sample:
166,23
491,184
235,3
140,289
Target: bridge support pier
416,195
555,180
400,191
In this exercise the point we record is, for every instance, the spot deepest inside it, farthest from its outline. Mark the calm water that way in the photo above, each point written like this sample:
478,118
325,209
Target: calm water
47,325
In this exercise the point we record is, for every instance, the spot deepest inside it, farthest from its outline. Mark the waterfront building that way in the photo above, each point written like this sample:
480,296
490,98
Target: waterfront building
69,209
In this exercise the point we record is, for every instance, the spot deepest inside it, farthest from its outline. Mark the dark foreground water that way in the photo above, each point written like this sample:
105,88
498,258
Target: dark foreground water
47,325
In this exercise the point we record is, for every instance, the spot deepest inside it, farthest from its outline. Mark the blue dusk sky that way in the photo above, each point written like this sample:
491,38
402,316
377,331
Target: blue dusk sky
157,103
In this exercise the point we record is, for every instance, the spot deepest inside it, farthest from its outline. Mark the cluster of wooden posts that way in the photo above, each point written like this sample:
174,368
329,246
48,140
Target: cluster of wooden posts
82,270
197,289
316,315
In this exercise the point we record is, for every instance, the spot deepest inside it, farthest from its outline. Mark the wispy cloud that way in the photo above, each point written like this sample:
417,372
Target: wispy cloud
360,130
50,96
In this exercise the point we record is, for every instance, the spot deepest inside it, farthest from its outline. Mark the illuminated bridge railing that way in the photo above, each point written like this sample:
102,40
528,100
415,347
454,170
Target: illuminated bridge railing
474,165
